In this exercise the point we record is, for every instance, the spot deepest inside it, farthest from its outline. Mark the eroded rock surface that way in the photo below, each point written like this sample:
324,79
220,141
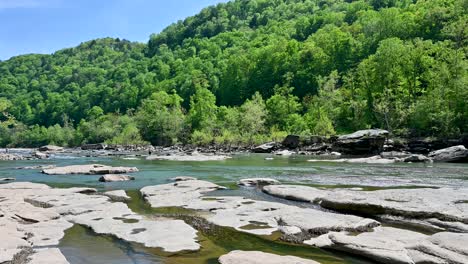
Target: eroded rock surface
193,157
446,208
452,154
90,169
116,178
35,215
361,142
258,257
247,215
392,245
118,196
257,182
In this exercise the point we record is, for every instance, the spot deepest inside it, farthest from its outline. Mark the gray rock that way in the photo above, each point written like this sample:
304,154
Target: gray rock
7,179
448,206
99,146
118,196
182,178
266,148
284,152
250,216
291,142
40,155
370,141
452,154
258,182
91,169
193,157
51,148
370,160
115,178
10,157
48,256
258,257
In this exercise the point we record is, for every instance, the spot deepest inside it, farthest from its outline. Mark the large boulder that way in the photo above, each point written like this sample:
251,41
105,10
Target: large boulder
452,154
370,141
51,148
266,148
291,142
258,257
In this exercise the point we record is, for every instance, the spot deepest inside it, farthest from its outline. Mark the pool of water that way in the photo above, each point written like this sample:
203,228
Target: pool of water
81,246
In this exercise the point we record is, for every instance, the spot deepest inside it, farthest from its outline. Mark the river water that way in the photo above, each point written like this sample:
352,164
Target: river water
82,246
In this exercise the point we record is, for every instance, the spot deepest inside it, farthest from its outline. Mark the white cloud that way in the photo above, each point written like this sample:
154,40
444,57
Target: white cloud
11,4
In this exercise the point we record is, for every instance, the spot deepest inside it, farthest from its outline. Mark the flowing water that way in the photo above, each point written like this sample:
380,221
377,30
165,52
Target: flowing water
81,246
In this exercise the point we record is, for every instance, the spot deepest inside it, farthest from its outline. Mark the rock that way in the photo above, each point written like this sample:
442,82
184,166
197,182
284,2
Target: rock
48,256
258,182
291,142
394,155
118,196
250,216
99,146
416,158
452,154
193,157
392,245
37,215
115,178
92,169
50,148
370,141
40,155
257,257
182,178
446,208
266,148
370,160
40,167
10,157
7,179
284,152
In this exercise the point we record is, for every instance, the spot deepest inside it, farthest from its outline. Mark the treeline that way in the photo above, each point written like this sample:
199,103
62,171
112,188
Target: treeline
248,71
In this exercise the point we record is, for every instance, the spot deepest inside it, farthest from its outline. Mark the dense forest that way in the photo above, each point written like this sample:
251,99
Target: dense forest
249,71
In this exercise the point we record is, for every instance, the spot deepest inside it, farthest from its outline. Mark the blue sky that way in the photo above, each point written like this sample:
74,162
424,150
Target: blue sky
45,26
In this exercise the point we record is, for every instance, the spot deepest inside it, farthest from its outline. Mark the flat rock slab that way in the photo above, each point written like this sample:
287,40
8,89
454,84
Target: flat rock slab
257,182
197,157
392,245
182,178
445,207
116,178
452,154
90,169
48,256
370,160
35,215
258,257
250,216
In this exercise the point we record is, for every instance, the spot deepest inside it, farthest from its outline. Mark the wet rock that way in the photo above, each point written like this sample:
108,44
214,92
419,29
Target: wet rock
193,157
451,154
446,208
92,169
250,216
48,256
39,167
266,148
291,142
118,196
370,141
50,148
416,158
284,152
7,179
258,182
116,178
40,155
258,257
182,178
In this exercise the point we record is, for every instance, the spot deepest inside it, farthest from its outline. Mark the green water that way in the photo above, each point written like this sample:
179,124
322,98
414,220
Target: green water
82,246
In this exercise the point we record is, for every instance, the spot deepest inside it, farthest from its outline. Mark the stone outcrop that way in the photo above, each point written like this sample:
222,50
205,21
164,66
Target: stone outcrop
445,208
370,141
50,148
116,178
451,154
10,157
257,182
392,245
247,215
182,178
266,148
118,196
258,257
99,146
291,142
92,169
35,215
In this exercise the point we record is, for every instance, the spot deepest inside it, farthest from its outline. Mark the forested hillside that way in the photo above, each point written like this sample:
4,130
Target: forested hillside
248,71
